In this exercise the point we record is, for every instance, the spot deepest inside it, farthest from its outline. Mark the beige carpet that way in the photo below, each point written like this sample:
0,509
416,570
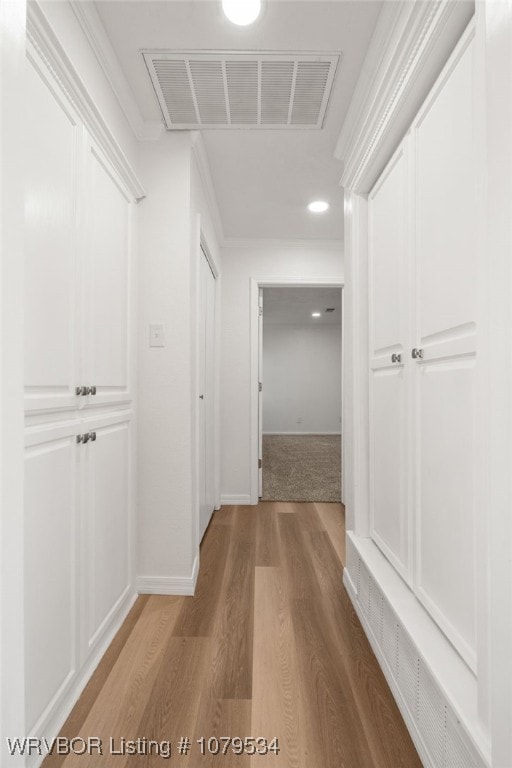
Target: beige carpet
301,468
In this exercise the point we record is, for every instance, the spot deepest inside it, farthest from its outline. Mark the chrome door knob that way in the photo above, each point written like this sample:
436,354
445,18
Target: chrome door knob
396,358
417,353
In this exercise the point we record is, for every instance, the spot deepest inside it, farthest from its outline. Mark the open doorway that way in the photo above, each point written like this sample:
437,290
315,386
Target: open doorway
300,346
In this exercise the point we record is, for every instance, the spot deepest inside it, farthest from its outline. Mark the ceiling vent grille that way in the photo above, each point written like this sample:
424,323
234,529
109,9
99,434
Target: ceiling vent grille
241,90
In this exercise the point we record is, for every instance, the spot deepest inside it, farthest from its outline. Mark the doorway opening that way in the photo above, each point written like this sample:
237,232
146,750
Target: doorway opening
299,391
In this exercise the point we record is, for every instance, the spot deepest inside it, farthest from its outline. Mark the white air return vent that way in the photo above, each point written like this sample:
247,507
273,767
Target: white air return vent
241,90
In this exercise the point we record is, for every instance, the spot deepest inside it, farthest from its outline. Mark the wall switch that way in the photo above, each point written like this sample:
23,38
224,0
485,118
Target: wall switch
156,336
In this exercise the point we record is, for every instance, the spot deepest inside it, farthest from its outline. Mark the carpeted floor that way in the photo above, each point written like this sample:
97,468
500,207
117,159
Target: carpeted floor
301,468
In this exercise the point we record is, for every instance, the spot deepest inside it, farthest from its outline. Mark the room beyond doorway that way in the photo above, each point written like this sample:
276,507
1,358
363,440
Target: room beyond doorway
300,402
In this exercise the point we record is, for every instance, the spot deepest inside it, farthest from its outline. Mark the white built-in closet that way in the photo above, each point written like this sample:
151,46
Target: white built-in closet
412,560
423,326
78,399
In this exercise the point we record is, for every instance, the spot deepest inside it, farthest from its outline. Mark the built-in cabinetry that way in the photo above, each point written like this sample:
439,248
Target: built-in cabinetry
423,274
78,398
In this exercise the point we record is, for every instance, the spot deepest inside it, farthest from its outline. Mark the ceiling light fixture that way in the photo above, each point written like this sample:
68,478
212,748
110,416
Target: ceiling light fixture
318,206
315,314
242,12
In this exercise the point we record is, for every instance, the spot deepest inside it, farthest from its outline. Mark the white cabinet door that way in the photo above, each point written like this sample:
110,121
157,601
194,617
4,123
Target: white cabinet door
50,568
51,248
446,328
389,292
207,395
107,287
107,525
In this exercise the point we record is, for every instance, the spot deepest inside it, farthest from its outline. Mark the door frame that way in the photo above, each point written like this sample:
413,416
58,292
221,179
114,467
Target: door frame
281,282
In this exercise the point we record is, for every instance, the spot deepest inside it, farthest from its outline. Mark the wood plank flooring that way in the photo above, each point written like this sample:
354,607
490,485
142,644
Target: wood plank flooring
269,646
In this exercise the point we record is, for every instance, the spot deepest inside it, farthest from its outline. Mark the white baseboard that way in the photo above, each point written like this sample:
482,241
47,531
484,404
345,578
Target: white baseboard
50,725
169,585
433,688
228,500
302,433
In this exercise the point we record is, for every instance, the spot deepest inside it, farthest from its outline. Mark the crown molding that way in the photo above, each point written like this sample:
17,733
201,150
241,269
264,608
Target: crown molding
93,28
203,166
272,244
410,45
44,42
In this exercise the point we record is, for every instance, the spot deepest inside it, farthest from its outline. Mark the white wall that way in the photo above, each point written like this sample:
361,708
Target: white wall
301,378
301,261
171,217
164,466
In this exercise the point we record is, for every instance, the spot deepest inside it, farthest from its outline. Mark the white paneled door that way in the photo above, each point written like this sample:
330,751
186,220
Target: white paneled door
107,287
51,248
107,524
206,474
446,333
389,290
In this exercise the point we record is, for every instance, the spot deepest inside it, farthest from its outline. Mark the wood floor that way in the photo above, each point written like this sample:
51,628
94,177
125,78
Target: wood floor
269,647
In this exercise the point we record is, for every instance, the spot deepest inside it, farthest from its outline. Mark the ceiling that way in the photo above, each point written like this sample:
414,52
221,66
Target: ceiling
263,179
294,305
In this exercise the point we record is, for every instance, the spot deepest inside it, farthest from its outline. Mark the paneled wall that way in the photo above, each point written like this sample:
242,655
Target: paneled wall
79,398
413,575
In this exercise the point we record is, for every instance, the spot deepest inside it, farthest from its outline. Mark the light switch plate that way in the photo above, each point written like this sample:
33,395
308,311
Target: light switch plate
156,336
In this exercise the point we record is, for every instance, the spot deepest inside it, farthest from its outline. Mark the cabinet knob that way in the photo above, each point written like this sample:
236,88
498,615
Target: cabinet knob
81,391
87,390
417,353
93,390
79,438
86,437
396,358
93,436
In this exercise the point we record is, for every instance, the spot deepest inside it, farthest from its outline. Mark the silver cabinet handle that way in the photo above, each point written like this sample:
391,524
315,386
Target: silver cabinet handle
81,391
417,353
87,390
86,437
79,438
93,390
201,397
93,436
396,358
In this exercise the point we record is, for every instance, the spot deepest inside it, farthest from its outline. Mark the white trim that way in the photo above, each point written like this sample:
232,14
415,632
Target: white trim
54,718
315,432
169,585
93,28
203,166
42,37
255,283
227,500
409,48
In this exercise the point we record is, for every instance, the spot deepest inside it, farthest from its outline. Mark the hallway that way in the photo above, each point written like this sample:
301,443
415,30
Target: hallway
269,647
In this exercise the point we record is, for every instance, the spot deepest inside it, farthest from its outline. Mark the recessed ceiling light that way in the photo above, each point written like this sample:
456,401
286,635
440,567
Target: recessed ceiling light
318,206
315,314
241,12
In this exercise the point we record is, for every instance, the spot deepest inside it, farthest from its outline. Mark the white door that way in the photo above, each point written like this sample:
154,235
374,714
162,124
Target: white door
206,394
446,334
107,292
105,496
260,393
389,290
